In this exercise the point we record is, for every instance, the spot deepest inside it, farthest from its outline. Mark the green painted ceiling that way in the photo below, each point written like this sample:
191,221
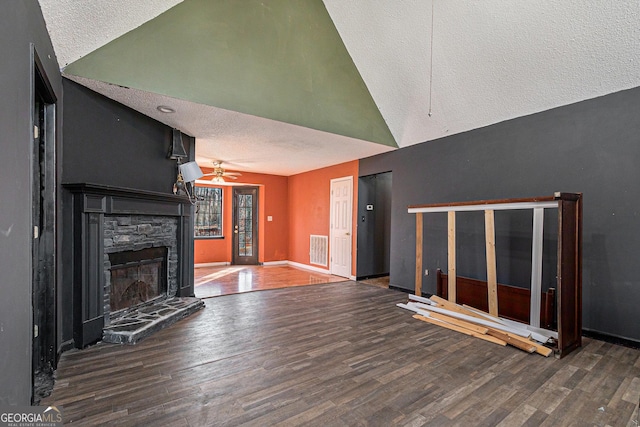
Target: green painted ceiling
278,59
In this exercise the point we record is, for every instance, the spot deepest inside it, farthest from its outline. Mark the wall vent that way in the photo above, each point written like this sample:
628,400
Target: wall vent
319,250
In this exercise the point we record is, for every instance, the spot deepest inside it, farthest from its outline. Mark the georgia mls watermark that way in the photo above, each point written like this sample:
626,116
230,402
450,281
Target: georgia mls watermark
30,416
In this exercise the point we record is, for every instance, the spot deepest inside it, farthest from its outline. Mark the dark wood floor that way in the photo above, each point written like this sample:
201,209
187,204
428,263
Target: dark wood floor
338,354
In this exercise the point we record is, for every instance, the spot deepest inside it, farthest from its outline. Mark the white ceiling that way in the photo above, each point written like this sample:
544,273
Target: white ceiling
243,142
493,60
78,27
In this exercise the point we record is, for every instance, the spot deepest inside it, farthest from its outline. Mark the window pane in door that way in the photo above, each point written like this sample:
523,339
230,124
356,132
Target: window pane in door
245,220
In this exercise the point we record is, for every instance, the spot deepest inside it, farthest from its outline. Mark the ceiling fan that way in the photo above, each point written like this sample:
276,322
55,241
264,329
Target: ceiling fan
219,174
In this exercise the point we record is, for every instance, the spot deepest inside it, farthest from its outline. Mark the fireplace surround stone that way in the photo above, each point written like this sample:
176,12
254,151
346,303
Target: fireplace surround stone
136,233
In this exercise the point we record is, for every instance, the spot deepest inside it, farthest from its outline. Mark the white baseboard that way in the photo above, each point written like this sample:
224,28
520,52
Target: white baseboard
211,264
285,262
316,269
309,267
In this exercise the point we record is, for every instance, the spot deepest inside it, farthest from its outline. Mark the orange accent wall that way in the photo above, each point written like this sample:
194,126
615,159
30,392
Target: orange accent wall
309,208
273,236
299,205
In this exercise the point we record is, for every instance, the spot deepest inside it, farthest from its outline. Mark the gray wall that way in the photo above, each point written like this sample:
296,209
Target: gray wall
110,144
591,147
21,23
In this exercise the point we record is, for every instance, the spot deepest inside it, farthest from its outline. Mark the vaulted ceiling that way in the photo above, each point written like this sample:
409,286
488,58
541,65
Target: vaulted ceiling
285,86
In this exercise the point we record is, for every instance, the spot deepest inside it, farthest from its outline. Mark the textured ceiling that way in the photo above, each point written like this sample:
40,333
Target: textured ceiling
492,60
244,142
78,27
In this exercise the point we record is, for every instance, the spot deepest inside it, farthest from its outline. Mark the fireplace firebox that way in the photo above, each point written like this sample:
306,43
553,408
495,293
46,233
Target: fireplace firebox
137,277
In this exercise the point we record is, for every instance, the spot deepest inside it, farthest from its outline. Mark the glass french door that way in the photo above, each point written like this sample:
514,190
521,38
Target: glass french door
245,225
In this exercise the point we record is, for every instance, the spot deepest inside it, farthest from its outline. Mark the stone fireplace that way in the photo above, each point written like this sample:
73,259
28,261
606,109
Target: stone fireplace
132,262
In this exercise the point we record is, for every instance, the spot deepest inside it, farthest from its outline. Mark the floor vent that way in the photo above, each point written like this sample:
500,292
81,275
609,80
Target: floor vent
318,250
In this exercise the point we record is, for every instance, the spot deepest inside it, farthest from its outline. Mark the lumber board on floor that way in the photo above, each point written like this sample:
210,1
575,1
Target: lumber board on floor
515,341
460,329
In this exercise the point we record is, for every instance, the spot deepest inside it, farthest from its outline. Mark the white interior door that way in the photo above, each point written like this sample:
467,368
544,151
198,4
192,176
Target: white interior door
341,223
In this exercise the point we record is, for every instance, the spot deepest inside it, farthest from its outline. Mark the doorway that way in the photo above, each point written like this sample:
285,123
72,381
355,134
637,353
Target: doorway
341,225
374,225
43,217
245,226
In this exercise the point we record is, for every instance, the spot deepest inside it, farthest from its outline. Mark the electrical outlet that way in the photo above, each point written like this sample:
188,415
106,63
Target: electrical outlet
426,272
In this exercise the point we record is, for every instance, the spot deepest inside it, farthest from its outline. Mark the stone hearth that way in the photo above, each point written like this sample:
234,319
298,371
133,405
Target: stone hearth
148,318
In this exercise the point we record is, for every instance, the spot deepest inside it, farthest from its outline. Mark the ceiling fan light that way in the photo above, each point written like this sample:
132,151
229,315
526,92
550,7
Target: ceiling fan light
217,179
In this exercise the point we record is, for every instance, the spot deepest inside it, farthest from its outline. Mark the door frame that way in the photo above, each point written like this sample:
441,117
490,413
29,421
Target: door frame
236,259
43,187
332,229
373,244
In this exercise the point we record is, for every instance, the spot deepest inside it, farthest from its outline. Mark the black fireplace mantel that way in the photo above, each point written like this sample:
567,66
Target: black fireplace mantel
91,202
118,200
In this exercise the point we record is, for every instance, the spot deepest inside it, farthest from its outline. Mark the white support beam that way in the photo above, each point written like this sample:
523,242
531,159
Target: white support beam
482,207
536,266
518,325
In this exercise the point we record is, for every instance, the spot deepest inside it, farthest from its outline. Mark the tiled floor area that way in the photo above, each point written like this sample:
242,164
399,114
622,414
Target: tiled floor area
235,279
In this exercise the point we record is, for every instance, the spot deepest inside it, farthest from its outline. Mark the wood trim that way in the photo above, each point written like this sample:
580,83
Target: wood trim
419,237
569,273
451,228
490,244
